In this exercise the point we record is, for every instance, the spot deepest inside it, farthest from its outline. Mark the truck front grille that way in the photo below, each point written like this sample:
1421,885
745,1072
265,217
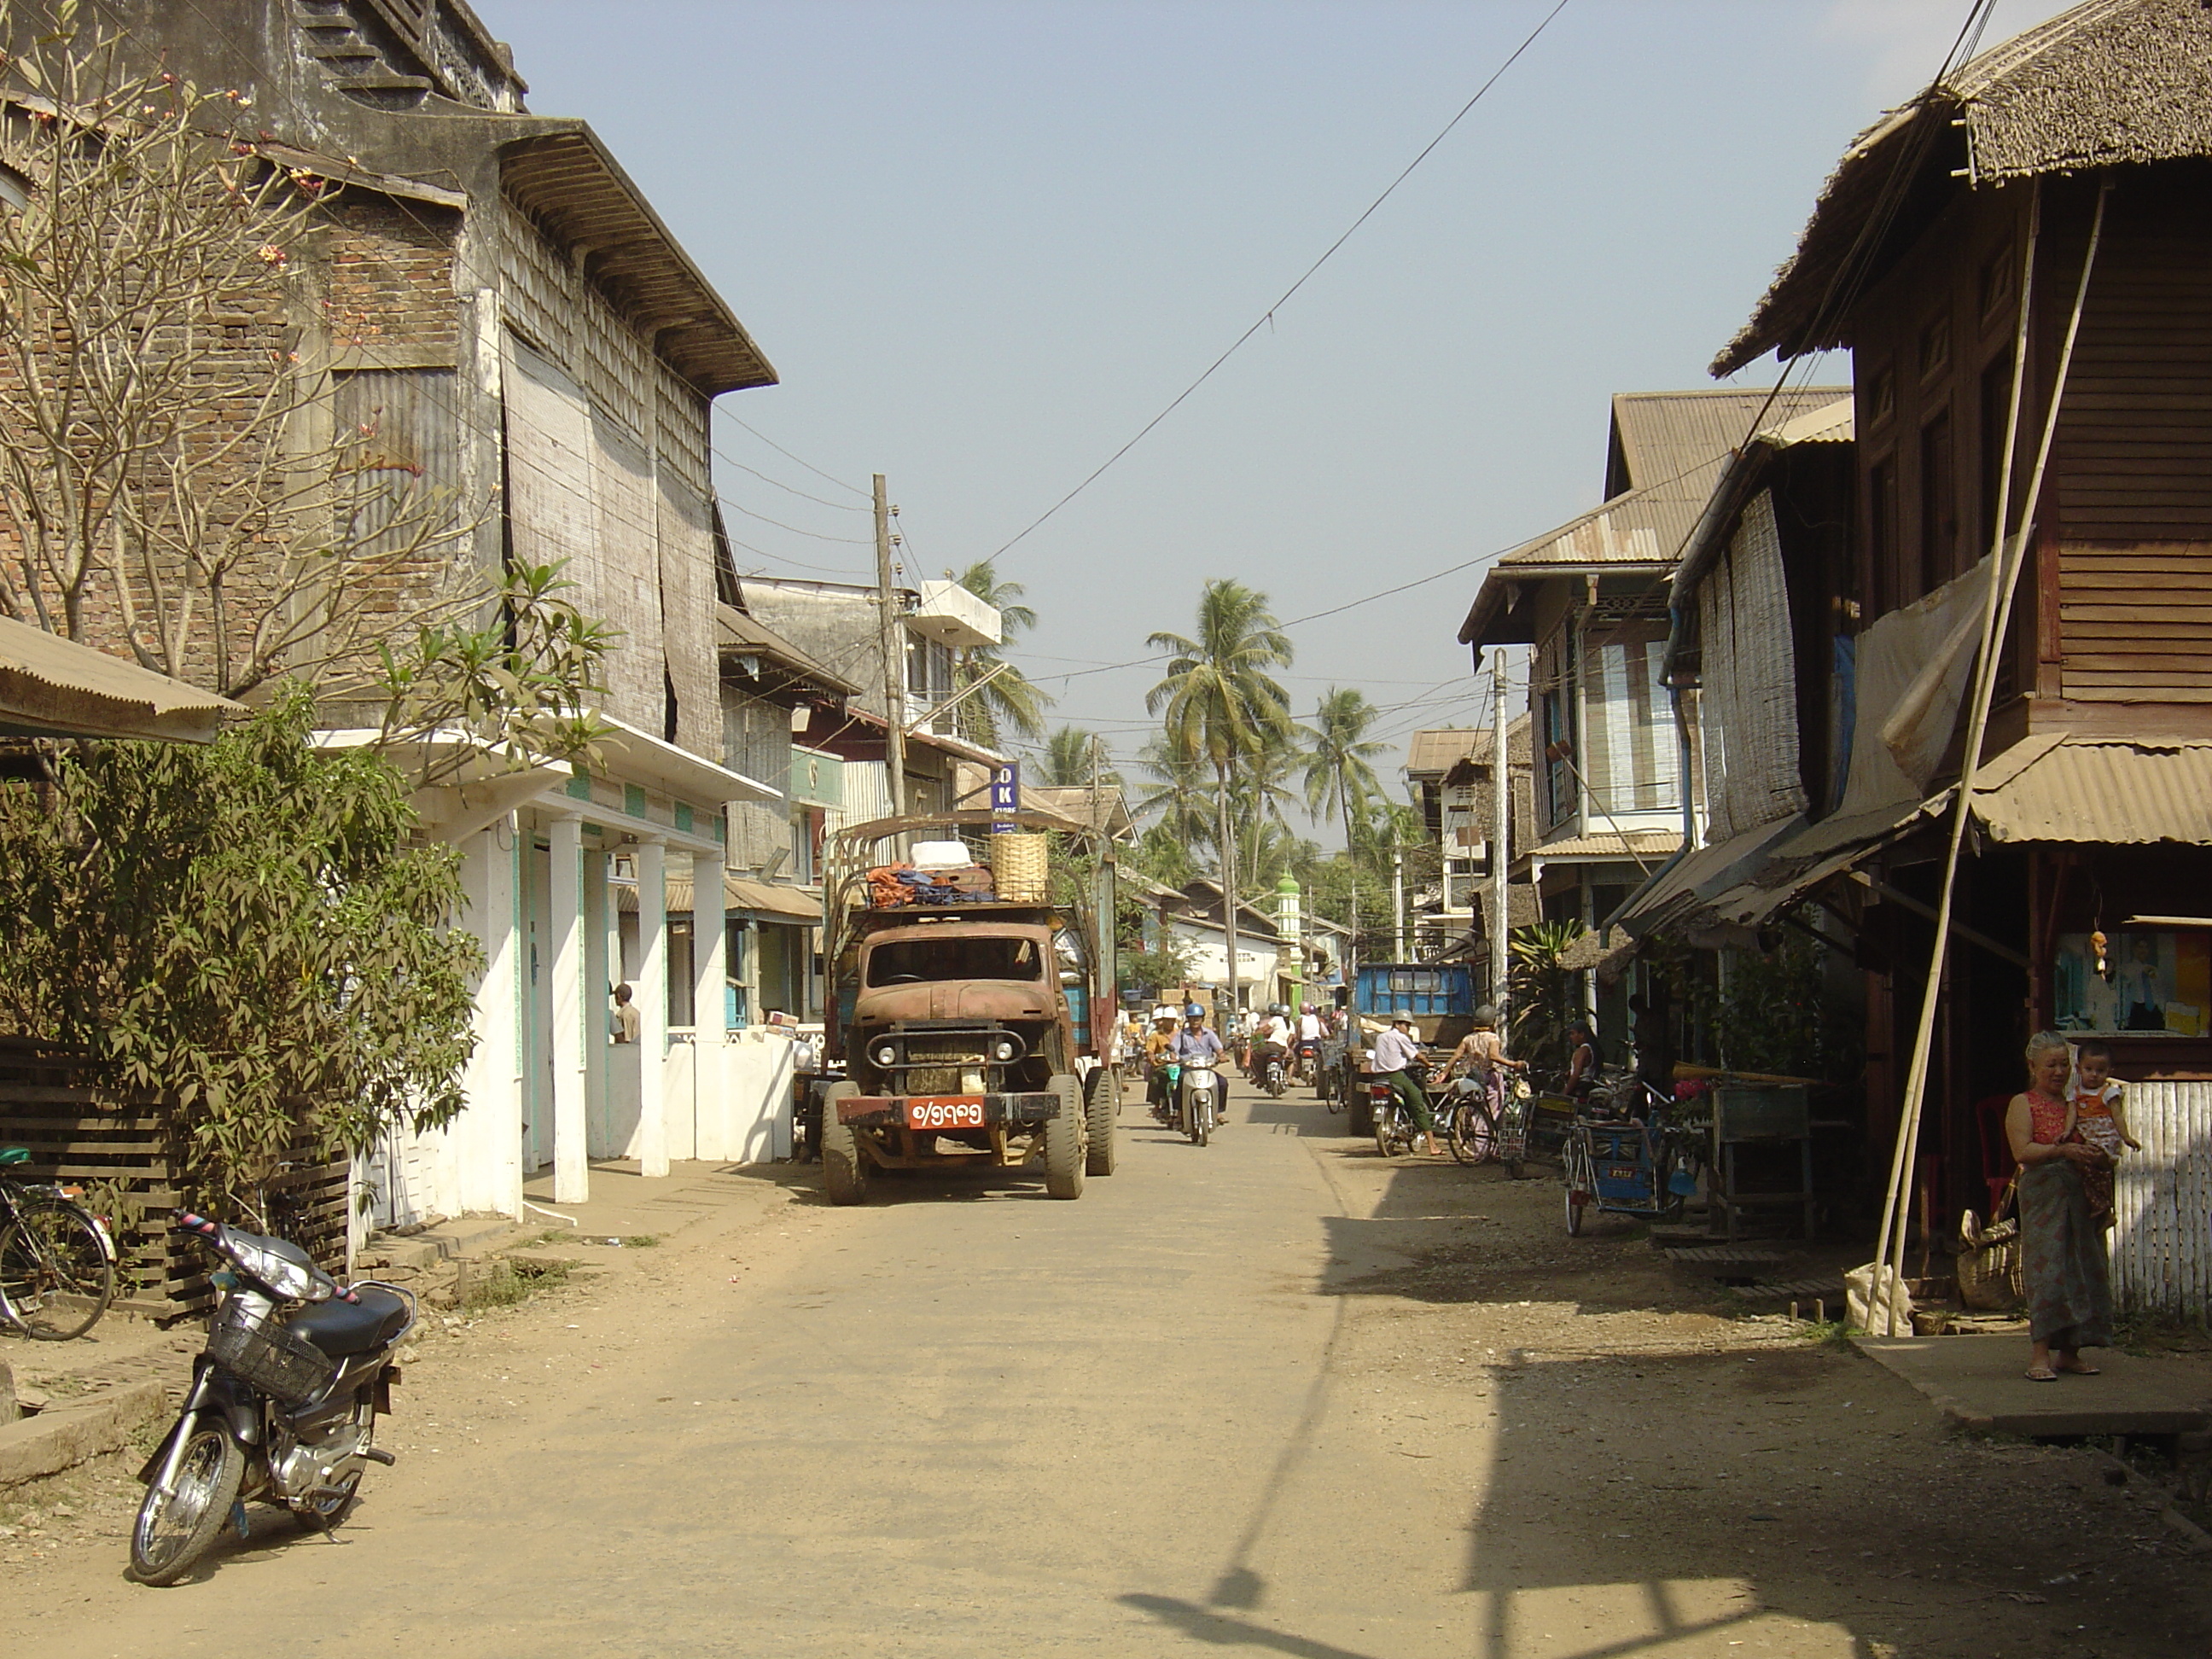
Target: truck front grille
946,1057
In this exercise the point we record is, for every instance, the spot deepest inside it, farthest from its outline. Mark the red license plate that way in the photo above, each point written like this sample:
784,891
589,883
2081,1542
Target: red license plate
944,1112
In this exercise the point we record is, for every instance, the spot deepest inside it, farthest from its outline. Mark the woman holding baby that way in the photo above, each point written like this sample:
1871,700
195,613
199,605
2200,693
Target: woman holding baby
2069,1296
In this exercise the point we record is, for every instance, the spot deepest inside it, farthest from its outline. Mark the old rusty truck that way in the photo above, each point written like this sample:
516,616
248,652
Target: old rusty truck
971,999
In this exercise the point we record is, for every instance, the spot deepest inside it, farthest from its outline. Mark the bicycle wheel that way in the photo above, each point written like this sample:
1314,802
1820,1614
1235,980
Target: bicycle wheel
57,1276
1467,1132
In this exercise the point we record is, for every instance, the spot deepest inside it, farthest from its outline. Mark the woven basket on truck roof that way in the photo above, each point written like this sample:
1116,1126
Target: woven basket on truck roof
1019,868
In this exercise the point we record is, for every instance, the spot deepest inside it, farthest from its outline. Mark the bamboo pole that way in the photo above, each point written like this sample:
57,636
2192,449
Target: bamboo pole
2006,558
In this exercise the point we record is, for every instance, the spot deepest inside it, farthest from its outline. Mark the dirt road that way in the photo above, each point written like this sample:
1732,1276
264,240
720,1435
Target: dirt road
1274,1395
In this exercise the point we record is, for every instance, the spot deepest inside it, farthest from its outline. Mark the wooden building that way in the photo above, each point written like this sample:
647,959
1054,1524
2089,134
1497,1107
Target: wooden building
1952,233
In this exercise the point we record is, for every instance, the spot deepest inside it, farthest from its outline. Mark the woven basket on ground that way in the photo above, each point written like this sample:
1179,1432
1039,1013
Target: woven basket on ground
1989,1279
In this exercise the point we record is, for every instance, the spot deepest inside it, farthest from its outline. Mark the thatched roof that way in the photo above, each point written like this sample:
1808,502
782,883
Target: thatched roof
2109,83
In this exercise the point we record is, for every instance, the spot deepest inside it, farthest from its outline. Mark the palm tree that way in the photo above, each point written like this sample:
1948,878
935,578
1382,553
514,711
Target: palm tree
1010,700
1070,755
1261,794
1340,777
1221,707
1178,792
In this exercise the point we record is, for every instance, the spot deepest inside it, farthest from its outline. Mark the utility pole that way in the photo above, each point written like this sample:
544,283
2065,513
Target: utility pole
1501,830
894,658
1397,897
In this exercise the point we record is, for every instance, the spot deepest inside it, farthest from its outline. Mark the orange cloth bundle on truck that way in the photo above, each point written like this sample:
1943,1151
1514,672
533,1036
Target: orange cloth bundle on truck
885,891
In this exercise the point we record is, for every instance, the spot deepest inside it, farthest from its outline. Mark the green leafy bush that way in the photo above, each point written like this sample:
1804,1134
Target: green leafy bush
243,933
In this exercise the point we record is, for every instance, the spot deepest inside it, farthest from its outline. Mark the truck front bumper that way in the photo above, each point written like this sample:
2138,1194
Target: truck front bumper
890,1111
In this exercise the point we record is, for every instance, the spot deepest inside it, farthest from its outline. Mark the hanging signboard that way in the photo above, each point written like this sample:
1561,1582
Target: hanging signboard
1006,794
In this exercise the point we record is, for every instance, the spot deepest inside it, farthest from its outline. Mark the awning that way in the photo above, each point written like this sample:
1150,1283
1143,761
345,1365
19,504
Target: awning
741,895
2118,792
1634,844
1741,882
50,687
1705,873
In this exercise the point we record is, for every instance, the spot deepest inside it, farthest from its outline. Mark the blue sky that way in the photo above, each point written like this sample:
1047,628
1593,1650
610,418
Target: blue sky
984,243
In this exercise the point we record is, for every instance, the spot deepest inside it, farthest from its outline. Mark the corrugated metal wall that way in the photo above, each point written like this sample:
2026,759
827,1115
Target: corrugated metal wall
2161,1248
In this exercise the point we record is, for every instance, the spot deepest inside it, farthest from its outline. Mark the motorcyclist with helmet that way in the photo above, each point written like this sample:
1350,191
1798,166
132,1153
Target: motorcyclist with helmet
1159,1054
1271,1040
1194,1045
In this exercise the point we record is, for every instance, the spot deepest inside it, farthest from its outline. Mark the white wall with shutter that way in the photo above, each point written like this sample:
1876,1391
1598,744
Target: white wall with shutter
687,620
628,592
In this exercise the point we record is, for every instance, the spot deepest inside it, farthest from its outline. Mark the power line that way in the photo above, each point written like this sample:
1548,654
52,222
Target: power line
1266,318
831,477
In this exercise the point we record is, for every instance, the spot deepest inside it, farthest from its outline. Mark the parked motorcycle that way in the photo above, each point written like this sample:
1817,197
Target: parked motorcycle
284,1401
1201,1098
1394,1132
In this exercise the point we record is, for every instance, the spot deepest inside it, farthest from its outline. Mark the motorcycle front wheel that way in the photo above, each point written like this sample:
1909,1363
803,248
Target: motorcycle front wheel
174,1530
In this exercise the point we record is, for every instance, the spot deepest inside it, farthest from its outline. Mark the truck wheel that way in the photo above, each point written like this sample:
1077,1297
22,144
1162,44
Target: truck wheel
1063,1140
1105,1107
844,1166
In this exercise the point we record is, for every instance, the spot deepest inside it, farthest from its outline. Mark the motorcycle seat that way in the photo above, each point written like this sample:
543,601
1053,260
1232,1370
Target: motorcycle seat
14,1154
340,1329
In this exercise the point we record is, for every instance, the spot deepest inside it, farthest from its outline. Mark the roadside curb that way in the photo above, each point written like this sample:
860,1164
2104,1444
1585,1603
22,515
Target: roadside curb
61,1437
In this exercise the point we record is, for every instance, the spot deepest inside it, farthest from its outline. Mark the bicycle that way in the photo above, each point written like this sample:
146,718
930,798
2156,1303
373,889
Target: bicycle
1465,1118
56,1261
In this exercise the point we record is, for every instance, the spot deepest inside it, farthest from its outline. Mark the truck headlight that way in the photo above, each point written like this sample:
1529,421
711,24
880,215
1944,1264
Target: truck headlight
884,1053
1003,1049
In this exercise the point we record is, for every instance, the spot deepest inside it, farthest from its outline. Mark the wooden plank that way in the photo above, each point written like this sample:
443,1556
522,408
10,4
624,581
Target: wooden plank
43,1094
2198,664
2078,678
2135,694
2144,563
2116,613
2193,588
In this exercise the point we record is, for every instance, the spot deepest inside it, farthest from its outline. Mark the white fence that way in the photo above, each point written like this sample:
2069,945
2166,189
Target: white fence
2163,1244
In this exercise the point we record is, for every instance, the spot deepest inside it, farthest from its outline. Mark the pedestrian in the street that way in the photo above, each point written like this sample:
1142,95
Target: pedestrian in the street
2069,1294
1397,1055
629,1023
1582,1059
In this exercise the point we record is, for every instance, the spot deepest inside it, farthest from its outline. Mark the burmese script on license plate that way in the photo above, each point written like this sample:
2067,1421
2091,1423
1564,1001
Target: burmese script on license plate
944,1112
1623,1172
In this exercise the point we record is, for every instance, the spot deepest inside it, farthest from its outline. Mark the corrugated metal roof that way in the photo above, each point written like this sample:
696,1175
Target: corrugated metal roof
1664,435
1636,844
1670,449
54,687
2128,794
1440,748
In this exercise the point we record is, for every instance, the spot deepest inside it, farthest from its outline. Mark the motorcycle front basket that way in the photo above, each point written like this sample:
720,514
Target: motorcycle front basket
268,1356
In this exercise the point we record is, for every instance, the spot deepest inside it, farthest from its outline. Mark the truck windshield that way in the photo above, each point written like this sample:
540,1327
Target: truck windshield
907,962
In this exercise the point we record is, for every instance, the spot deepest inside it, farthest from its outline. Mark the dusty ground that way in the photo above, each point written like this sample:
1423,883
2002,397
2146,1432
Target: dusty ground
1275,1394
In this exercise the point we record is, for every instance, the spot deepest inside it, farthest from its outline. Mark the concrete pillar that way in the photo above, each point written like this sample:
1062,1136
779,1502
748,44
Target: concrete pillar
651,990
709,1018
572,1170
486,1139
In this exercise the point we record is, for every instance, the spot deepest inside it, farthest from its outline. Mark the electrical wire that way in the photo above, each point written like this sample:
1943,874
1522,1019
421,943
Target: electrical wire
1266,319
